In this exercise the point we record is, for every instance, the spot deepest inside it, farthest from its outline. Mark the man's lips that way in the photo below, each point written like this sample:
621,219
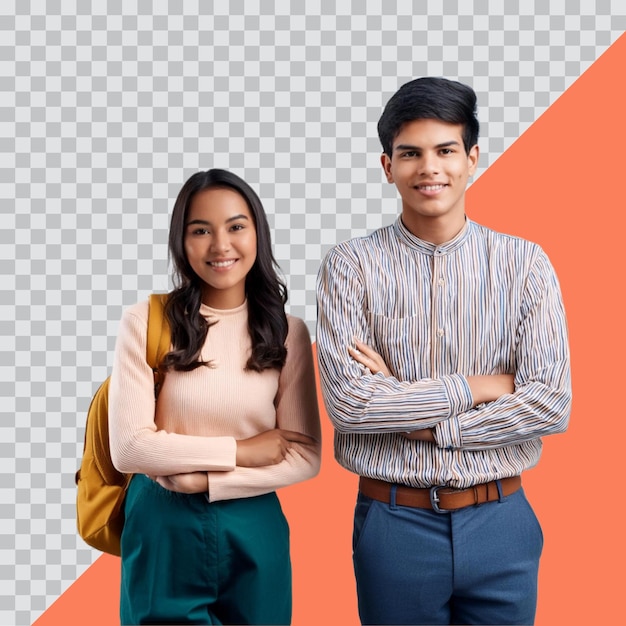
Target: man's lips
430,186
430,189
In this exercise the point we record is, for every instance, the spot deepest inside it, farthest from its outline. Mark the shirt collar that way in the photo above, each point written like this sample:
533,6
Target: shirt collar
426,247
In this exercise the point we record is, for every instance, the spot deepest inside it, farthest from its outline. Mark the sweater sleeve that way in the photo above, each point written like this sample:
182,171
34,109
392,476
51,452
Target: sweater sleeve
297,410
136,444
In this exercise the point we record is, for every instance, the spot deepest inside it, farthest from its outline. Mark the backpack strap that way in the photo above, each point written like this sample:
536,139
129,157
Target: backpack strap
159,339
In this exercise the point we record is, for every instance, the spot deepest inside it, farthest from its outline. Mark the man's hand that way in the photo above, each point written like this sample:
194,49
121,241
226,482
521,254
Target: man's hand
268,448
425,434
367,356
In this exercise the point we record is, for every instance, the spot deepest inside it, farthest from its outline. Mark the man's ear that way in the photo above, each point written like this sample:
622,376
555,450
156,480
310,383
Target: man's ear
385,161
472,159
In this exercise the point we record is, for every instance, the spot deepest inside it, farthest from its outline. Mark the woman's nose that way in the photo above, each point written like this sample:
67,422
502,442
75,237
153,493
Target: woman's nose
220,242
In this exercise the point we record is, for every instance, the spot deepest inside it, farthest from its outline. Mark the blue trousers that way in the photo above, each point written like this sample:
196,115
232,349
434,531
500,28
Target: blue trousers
188,561
476,565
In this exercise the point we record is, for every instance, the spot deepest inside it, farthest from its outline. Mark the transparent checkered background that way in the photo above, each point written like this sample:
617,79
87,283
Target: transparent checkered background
108,107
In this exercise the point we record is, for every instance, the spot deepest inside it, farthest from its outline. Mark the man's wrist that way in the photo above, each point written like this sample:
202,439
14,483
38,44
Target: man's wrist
423,434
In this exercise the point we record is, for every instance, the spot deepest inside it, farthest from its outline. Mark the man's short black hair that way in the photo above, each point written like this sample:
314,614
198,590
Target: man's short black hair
430,98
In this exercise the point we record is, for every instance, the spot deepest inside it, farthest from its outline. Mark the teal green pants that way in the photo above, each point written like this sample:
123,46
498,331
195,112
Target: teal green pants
188,561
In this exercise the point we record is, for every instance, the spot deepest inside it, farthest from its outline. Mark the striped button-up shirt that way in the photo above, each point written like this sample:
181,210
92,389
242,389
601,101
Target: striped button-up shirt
483,303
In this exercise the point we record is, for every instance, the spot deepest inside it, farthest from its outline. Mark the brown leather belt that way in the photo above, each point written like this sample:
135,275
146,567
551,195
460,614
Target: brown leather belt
439,499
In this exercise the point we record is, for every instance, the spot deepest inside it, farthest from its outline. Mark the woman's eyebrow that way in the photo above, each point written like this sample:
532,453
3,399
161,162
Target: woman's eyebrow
207,223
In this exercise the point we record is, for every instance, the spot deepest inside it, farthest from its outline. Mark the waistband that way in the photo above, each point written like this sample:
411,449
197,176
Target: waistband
439,499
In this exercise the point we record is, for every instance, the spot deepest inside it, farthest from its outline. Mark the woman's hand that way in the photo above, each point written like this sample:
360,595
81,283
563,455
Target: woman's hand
367,356
194,482
268,448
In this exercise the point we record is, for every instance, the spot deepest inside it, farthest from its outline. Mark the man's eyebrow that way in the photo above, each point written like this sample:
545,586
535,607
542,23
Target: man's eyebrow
207,223
445,144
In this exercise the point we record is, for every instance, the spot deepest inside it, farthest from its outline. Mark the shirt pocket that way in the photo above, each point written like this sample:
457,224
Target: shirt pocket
402,342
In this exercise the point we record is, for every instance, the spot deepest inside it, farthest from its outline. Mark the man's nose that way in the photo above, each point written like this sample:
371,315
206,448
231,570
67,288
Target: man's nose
429,164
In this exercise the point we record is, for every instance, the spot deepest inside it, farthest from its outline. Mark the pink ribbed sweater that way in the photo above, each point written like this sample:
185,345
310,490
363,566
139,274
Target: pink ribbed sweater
200,414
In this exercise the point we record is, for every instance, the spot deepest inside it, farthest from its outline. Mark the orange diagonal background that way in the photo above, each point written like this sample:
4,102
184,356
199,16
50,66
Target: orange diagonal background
560,184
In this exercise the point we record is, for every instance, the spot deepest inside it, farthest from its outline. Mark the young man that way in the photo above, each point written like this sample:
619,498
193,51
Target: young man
444,359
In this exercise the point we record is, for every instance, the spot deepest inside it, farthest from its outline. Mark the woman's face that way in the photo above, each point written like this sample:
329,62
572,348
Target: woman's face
220,244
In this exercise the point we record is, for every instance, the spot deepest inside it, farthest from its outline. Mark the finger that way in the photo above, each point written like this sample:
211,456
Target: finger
369,353
360,357
365,348
373,366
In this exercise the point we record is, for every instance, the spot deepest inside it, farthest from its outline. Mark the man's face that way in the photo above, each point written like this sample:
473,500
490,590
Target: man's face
430,168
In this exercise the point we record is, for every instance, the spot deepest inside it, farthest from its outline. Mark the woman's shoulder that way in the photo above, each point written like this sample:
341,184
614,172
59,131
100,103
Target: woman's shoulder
298,330
141,309
295,322
138,310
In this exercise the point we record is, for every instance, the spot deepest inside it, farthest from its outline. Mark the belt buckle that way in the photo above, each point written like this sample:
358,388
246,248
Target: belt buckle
434,500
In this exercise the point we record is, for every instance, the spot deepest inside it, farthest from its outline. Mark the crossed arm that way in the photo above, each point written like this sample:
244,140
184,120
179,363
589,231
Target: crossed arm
268,448
483,388
287,453
463,411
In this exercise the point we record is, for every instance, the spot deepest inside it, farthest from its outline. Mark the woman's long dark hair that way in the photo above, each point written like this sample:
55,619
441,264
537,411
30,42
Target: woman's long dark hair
266,293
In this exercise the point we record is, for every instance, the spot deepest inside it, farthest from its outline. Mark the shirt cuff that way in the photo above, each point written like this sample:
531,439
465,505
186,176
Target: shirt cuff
459,394
448,432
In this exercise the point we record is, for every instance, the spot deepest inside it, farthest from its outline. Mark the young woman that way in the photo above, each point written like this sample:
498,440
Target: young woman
205,540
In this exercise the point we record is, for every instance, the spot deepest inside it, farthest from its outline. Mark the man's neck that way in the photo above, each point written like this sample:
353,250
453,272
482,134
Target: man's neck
434,230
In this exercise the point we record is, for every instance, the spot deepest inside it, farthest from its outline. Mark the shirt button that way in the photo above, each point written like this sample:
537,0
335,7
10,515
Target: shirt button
440,282
440,332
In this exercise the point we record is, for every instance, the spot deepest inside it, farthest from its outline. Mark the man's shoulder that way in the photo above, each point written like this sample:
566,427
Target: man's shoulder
496,238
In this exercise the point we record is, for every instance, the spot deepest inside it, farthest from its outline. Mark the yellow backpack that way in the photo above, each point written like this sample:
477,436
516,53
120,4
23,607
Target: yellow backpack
101,488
